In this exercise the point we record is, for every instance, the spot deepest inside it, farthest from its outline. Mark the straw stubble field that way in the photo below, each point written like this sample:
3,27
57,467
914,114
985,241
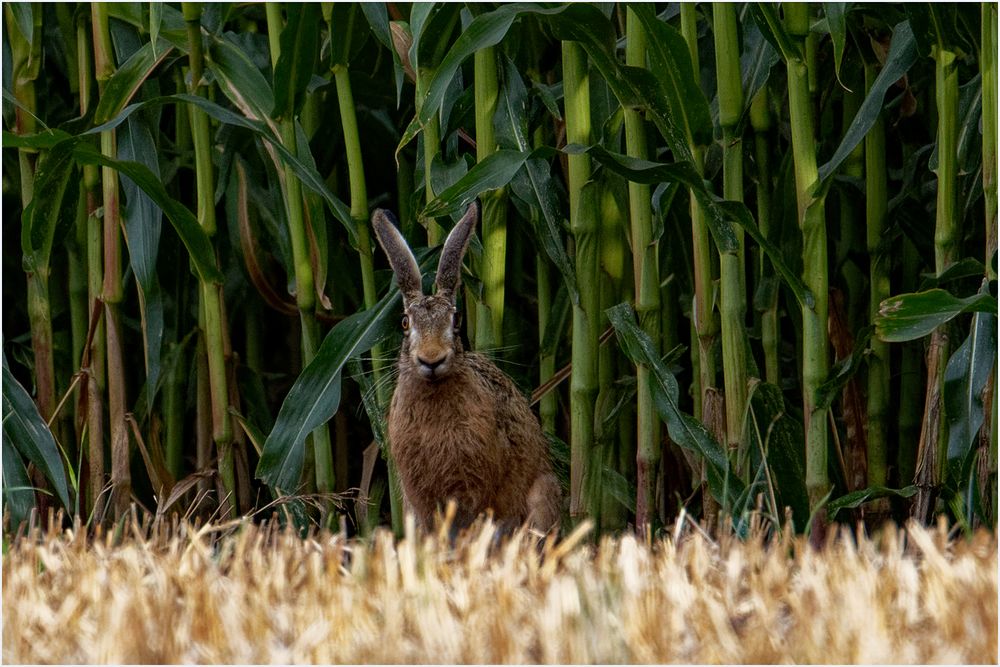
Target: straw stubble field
240,593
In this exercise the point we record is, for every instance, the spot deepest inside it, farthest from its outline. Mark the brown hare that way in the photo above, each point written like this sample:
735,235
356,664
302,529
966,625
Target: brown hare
459,429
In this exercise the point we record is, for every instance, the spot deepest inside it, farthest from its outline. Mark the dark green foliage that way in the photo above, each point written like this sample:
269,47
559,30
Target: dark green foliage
409,69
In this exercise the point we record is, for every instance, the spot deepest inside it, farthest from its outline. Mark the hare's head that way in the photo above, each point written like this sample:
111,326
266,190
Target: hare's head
430,322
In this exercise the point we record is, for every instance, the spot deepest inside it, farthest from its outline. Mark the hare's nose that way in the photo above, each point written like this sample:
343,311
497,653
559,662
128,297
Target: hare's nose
431,365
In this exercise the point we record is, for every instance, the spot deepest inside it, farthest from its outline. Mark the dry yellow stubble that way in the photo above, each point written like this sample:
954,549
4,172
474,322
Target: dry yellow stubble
245,594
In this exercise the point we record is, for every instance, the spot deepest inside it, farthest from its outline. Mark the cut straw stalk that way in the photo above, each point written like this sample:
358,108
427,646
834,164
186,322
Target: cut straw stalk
812,223
645,254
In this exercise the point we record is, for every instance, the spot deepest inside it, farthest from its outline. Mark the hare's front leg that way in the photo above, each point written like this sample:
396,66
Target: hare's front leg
543,503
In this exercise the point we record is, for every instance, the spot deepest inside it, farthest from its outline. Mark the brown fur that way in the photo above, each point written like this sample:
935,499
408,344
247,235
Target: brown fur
459,429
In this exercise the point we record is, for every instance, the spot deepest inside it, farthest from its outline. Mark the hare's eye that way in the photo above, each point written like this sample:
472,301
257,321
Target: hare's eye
406,322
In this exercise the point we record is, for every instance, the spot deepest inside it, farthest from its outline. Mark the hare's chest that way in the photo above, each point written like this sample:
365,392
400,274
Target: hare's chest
438,449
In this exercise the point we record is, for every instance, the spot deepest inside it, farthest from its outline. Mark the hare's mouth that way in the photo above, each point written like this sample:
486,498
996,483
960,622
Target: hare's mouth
434,369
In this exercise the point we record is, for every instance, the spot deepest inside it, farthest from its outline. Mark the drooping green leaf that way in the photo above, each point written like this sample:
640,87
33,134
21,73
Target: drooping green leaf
755,64
171,24
25,431
766,18
19,498
772,431
309,176
965,378
41,218
240,80
670,59
23,18
315,396
684,429
534,185
155,20
347,34
902,55
191,233
378,20
720,212
618,487
858,498
494,172
125,82
936,25
297,61
484,31
910,316
843,371
836,17
143,219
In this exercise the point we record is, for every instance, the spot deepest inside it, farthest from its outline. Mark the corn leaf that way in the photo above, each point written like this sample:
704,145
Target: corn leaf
41,217
19,498
684,430
902,55
911,316
965,379
771,430
127,79
25,431
858,498
315,396
143,219
297,60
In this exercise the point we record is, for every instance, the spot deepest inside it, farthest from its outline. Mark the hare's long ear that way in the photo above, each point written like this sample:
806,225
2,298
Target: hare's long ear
450,265
401,258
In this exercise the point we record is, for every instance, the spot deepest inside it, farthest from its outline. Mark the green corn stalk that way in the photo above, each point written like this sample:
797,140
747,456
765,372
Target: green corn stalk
95,355
646,274
112,289
933,449
26,63
548,406
489,318
876,204
305,296
583,382
988,67
732,298
812,223
211,293
760,120
432,130
359,214
910,371
704,319
610,440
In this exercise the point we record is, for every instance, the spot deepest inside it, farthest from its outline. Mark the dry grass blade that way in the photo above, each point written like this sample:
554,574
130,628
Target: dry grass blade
255,594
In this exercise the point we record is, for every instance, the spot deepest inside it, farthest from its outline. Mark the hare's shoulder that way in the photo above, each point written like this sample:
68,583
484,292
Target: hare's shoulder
495,380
